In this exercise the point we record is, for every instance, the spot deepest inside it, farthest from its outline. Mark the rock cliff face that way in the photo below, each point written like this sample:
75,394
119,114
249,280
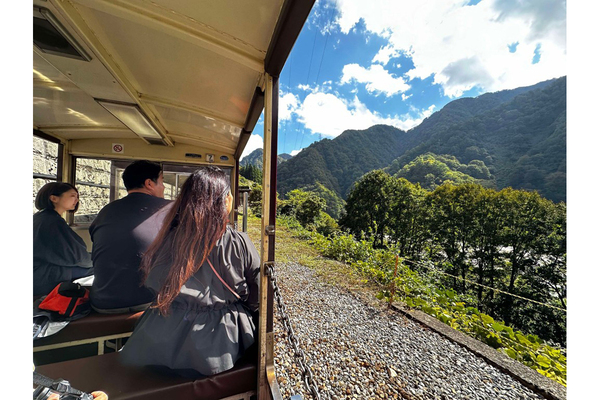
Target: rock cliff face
92,197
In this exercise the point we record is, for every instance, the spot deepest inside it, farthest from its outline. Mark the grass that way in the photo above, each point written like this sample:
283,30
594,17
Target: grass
290,248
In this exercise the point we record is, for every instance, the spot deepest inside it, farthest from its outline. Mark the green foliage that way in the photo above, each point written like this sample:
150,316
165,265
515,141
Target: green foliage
511,240
252,173
256,158
448,306
368,206
305,206
431,170
387,209
334,203
246,182
325,224
408,215
519,134
338,163
255,200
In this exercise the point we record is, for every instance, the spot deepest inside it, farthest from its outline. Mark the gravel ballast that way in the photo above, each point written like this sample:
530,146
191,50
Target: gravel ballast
359,349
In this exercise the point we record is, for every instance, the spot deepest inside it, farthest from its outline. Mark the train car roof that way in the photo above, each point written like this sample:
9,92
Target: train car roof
160,72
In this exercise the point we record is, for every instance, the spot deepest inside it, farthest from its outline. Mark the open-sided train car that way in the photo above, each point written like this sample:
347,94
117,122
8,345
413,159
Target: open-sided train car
181,82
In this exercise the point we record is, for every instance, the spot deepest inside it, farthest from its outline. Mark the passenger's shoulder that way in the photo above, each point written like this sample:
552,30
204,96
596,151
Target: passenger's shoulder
46,216
230,234
237,236
158,202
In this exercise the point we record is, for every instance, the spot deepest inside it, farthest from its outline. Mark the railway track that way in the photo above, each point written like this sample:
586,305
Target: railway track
360,349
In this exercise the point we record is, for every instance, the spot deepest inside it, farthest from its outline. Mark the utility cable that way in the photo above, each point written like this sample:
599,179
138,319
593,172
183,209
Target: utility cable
325,46
487,287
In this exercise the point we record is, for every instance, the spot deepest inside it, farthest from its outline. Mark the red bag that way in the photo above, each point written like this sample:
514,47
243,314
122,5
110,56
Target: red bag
68,299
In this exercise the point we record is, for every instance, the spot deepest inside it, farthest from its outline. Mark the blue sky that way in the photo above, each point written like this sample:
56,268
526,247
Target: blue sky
359,63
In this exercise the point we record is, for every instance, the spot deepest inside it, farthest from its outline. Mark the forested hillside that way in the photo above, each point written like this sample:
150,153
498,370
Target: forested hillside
432,170
517,136
256,159
521,141
339,162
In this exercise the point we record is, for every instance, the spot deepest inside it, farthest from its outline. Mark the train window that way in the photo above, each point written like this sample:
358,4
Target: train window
45,164
176,174
100,181
93,181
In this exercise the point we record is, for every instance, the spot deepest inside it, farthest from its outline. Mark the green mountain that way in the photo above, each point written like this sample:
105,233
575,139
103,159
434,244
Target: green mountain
337,163
522,140
256,158
516,136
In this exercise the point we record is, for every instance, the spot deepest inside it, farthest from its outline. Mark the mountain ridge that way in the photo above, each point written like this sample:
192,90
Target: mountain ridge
519,134
256,158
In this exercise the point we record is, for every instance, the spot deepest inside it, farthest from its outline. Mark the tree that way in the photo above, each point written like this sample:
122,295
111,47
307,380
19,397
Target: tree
334,203
485,242
452,225
251,172
538,265
432,170
304,206
368,207
255,200
407,214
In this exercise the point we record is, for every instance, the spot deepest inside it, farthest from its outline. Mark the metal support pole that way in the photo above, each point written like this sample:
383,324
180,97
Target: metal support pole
245,219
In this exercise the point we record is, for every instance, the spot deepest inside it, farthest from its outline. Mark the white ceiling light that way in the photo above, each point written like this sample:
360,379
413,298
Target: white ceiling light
131,116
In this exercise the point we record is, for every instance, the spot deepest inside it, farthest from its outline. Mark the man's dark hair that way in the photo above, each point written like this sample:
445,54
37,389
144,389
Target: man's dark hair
136,173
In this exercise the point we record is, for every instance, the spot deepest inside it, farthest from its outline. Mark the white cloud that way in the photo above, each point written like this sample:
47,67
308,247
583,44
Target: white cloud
288,103
294,152
405,97
377,79
385,54
255,142
306,88
326,114
467,46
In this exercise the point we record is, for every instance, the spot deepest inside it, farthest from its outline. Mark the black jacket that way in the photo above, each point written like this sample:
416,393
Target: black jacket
59,254
121,233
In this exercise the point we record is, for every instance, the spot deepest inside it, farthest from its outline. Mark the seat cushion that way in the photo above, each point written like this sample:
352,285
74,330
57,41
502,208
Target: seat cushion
92,326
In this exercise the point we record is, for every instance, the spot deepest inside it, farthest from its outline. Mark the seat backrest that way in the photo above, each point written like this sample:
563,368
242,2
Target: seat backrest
124,382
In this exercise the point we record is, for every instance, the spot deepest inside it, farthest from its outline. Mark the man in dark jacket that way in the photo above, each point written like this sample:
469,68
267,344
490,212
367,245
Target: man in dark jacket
121,233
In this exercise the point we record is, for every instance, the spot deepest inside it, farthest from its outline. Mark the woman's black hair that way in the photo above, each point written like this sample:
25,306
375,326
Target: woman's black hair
42,200
190,230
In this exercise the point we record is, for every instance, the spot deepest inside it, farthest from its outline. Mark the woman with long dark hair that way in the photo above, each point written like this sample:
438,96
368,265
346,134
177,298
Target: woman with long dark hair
59,254
205,275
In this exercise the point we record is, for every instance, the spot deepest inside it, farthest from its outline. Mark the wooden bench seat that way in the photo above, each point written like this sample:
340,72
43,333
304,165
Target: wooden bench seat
93,328
123,382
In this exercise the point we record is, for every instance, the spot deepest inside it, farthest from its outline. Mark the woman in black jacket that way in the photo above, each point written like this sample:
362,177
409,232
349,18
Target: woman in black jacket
206,278
59,254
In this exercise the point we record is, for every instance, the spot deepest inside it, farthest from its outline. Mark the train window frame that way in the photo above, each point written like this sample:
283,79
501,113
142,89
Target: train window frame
116,188
48,177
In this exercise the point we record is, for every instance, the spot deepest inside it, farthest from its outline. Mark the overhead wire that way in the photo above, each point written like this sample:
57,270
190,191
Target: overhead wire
311,56
325,46
487,287
286,135
328,20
